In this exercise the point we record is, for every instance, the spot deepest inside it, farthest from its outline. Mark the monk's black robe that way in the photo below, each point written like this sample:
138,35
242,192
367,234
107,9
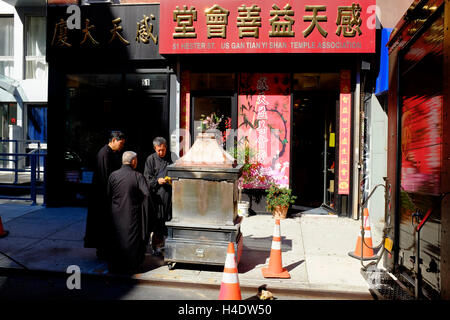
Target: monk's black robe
161,195
97,222
127,191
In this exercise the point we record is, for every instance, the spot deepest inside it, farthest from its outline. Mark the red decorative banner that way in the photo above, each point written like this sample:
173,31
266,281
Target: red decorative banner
264,123
422,144
344,143
236,26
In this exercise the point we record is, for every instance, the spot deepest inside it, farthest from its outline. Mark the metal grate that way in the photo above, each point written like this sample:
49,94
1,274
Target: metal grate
384,286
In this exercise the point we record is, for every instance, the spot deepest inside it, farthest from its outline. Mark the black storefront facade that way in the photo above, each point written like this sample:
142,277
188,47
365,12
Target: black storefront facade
110,78
104,74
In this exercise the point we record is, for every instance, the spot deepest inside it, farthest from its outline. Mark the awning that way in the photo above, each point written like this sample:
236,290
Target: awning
8,88
6,96
8,84
382,83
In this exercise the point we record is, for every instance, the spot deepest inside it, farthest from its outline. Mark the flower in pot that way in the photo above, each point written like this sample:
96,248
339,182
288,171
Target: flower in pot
210,122
213,124
253,177
278,200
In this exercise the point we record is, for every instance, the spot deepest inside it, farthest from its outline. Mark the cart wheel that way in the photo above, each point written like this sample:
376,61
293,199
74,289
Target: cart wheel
171,265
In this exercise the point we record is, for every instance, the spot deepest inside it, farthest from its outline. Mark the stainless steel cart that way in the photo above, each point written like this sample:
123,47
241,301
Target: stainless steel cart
204,208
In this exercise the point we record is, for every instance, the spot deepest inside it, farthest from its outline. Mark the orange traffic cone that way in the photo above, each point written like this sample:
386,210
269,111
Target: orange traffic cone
275,269
229,288
367,250
3,233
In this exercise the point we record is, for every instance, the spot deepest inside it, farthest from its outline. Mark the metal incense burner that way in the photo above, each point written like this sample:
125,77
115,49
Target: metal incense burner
204,205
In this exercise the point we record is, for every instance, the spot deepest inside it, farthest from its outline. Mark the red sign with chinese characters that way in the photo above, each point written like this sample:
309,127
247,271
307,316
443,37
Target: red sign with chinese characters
236,26
344,144
265,122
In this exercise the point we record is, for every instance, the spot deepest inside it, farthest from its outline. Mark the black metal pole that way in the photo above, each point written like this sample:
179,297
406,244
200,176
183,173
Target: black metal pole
33,178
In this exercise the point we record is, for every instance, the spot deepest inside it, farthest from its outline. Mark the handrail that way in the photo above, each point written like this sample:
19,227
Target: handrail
424,220
387,225
34,188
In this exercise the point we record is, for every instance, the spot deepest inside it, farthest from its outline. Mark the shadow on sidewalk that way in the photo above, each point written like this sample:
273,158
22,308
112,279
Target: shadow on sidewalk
294,265
256,251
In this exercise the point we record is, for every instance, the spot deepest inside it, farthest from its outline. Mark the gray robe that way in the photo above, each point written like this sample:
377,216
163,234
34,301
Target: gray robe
155,168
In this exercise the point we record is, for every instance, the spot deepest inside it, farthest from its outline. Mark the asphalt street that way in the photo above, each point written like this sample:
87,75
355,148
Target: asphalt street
61,287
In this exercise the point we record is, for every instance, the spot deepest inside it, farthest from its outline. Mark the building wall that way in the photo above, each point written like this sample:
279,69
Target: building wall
378,153
30,91
392,11
6,8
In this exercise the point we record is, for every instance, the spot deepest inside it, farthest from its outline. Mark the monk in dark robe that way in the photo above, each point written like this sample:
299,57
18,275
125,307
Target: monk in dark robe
127,190
108,160
160,190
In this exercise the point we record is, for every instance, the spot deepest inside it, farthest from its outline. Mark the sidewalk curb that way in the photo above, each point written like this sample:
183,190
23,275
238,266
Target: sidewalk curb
31,209
305,290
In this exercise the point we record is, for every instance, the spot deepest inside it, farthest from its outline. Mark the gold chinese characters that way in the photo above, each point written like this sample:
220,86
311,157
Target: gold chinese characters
249,21
145,30
144,33
281,21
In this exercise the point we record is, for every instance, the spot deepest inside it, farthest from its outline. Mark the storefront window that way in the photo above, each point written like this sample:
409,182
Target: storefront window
213,96
316,81
100,103
213,82
37,123
36,67
92,109
3,121
8,116
209,106
6,46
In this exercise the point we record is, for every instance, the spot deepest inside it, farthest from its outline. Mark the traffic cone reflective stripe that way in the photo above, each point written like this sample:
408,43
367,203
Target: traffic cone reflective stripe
229,288
230,271
229,277
3,232
367,251
276,230
275,269
276,245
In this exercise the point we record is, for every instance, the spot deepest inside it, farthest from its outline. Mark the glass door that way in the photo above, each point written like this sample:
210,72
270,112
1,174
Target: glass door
222,107
147,118
313,160
3,121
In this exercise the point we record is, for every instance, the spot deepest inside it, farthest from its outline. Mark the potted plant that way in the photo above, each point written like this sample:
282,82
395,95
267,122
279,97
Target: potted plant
254,179
278,200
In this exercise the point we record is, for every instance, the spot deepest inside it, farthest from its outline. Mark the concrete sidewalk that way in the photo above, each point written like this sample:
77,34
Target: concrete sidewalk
315,250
